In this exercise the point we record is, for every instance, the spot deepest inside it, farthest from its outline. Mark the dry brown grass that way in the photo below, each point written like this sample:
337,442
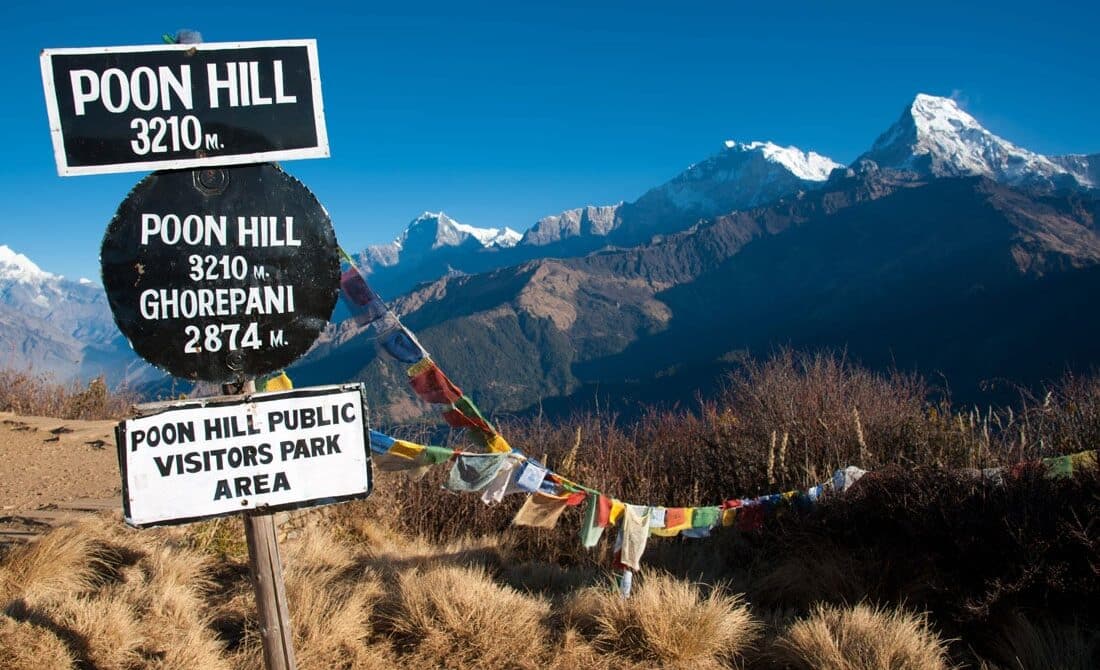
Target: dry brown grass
98,595
861,638
332,598
66,561
418,578
26,393
457,617
25,646
667,622
802,579
116,599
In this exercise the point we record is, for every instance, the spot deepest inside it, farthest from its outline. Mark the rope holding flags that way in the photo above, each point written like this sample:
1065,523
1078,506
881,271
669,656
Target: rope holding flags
426,378
504,471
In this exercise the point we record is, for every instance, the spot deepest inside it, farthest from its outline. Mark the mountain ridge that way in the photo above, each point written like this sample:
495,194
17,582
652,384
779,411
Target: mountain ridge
580,295
630,318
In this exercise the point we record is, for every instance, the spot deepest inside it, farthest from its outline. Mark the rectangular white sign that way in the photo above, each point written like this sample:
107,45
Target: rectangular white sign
203,458
172,106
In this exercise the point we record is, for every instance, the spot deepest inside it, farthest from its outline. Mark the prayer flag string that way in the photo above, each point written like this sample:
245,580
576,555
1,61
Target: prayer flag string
427,379
504,470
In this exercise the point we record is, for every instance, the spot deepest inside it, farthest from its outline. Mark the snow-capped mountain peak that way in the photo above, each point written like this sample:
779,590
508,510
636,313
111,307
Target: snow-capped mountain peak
489,237
741,175
443,231
809,165
933,113
935,137
15,266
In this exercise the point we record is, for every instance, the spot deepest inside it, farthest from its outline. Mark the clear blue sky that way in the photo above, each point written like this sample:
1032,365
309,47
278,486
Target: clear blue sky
500,114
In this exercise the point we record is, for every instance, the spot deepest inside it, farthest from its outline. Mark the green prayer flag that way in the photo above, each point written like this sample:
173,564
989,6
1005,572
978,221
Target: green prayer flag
590,530
467,407
435,455
706,517
1059,467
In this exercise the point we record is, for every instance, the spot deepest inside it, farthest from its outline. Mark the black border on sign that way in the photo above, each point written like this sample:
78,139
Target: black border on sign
154,409
321,150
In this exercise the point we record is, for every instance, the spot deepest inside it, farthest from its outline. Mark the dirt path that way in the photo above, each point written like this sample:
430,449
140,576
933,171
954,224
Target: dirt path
52,470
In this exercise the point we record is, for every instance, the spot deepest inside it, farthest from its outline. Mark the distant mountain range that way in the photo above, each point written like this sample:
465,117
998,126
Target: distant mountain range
737,177
933,138
943,248
63,328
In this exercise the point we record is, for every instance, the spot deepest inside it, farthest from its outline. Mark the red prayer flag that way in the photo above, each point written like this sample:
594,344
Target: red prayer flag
751,517
575,498
455,418
434,387
675,516
603,511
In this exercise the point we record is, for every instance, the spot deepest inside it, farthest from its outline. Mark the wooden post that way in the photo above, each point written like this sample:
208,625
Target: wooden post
266,569
267,578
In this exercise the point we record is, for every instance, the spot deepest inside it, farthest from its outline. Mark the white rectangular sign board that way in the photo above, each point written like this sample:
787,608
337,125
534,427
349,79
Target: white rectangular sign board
196,459
172,106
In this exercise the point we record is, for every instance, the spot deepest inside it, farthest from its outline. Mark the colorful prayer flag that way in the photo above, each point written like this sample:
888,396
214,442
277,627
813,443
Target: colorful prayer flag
530,476
363,303
402,345
432,385
541,510
591,528
473,472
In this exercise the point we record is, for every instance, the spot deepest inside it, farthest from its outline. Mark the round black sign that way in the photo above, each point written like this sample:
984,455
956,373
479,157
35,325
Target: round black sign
221,274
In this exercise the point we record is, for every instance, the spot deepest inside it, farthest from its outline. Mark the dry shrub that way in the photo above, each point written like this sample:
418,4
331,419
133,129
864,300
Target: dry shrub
1045,645
25,646
107,627
666,621
861,638
807,414
65,562
167,592
115,598
332,600
457,617
26,393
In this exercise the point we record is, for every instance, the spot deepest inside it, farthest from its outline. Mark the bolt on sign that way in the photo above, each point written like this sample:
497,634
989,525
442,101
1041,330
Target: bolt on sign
221,274
137,108
190,460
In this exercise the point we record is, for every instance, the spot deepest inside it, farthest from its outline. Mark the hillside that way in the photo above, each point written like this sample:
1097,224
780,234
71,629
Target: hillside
419,577
959,276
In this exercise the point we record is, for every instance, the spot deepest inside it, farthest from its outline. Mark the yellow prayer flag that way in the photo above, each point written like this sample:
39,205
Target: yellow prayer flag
617,508
279,383
498,444
1083,460
405,449
541,510
729,517
419,366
